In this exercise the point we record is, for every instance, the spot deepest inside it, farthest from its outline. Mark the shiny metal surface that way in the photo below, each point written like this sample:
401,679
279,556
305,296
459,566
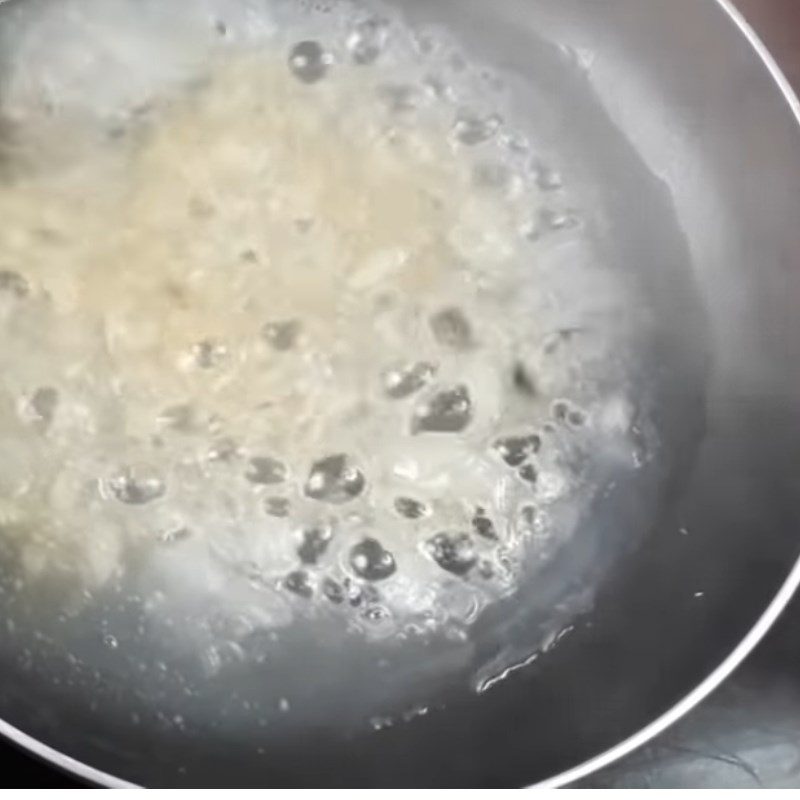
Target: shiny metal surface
688,137
776,608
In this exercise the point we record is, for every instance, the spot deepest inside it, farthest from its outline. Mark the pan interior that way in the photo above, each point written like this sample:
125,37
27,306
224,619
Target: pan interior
346,359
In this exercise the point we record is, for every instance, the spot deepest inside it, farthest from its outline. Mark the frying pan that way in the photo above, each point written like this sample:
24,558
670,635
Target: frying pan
685,135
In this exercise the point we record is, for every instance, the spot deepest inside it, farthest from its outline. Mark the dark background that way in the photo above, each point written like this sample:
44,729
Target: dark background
748,734
778,23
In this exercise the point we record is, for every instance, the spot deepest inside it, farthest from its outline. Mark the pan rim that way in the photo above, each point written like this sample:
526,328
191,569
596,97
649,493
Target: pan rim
702,691
790,586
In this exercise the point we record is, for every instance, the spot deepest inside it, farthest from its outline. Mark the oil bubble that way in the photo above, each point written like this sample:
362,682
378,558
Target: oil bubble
41,406
448,411
470,129
283,335
453,552
367,40
515,450
333,591
315,542
409,508
209,354
483,525
335,480
137,486
266,471
14,284
299,583
403,381
277,507
371,561
309,62
452,329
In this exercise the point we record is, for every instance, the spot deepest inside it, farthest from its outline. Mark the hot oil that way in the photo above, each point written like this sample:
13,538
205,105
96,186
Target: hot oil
284,331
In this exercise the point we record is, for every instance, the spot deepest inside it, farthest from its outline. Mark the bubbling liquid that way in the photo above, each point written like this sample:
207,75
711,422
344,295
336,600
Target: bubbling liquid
287,337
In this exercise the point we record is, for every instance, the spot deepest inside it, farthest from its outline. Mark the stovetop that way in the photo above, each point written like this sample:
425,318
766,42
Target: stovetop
747,735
